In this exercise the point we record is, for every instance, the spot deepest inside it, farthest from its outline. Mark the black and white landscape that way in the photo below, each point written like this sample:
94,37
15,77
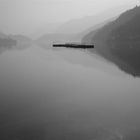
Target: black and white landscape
49,93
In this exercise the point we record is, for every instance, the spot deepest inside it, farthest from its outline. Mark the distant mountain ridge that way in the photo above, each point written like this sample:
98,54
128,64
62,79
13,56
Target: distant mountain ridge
47,40
119,42
13,42
75,29
81,24
6,41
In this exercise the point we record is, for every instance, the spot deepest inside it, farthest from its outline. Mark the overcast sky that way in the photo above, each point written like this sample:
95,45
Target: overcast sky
32,13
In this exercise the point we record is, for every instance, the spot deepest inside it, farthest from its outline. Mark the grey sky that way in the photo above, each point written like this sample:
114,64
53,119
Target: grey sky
14,14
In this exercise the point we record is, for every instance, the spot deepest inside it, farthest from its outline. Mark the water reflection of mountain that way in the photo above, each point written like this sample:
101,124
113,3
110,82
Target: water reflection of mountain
118,41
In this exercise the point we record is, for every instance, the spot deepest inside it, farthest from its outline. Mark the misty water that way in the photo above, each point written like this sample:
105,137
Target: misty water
66,94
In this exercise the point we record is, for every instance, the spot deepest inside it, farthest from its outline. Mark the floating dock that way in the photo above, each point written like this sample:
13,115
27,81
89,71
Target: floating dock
68,45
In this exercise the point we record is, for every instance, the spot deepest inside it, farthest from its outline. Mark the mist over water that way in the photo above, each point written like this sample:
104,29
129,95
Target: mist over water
52,94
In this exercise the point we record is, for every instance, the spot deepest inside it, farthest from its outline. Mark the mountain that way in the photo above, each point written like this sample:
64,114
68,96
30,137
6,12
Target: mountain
22,41
86,36
78,25
75,29
118,41
6,41
47,40
13,42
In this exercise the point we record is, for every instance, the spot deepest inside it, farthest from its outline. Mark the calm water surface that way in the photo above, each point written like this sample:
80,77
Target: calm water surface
66,94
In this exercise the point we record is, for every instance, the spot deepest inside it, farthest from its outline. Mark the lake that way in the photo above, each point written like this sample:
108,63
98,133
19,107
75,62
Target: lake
66,94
